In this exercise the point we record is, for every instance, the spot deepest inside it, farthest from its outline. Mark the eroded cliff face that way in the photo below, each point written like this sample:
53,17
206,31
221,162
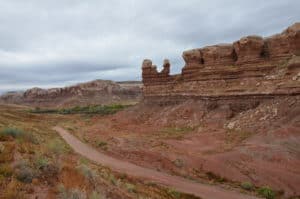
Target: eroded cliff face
250,68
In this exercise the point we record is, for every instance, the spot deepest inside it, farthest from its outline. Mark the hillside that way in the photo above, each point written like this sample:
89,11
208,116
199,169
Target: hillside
94,92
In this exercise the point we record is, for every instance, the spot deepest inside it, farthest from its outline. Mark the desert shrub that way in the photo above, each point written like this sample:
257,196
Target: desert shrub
266,192
83,160
113,180
247,186
174,193
41,162
64,193
101,144
6,170
178,163
87,172
25,175
215,177
24,172
130,187
47,172
57,146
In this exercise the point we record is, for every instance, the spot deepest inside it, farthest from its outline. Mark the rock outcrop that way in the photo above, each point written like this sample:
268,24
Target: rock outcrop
250,68
94,92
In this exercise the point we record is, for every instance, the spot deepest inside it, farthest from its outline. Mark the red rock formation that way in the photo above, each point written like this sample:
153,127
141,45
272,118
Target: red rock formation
252,66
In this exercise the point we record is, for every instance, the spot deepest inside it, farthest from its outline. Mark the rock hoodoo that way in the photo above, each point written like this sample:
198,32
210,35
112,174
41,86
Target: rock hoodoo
252,67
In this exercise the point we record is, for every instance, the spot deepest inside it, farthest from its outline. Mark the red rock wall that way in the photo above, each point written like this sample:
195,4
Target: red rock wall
251,66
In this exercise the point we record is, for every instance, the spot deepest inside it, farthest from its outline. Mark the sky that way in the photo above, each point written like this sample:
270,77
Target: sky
52,43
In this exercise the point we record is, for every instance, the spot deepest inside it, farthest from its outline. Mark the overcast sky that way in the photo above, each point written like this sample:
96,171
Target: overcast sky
49,43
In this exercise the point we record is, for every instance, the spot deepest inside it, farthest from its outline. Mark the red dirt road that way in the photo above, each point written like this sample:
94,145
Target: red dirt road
176,182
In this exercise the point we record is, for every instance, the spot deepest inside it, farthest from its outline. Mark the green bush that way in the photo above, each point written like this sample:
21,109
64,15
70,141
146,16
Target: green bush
102,144
266,192
174,193
41,162
130,187
247,186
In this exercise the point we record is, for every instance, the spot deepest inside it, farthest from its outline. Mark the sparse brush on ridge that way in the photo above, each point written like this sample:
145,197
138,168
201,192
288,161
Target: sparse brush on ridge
95,109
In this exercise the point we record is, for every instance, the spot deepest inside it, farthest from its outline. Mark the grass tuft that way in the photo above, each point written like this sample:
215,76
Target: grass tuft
130,188
174,193
266,192
41,162
247,186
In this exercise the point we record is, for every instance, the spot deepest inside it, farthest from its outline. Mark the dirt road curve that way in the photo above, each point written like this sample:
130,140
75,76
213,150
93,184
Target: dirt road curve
178,183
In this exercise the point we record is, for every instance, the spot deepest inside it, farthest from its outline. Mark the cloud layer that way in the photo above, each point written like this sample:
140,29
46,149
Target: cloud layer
59,42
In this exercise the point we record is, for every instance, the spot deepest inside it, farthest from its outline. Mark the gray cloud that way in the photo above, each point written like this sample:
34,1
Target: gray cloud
58,42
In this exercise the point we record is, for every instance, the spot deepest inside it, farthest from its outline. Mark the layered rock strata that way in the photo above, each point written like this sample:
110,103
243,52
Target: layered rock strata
251,68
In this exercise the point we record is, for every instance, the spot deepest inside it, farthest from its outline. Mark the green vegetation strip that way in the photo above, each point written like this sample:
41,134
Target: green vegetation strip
95,109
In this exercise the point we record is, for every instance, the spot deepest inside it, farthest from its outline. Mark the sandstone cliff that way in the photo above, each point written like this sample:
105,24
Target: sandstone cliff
94,92
251,68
